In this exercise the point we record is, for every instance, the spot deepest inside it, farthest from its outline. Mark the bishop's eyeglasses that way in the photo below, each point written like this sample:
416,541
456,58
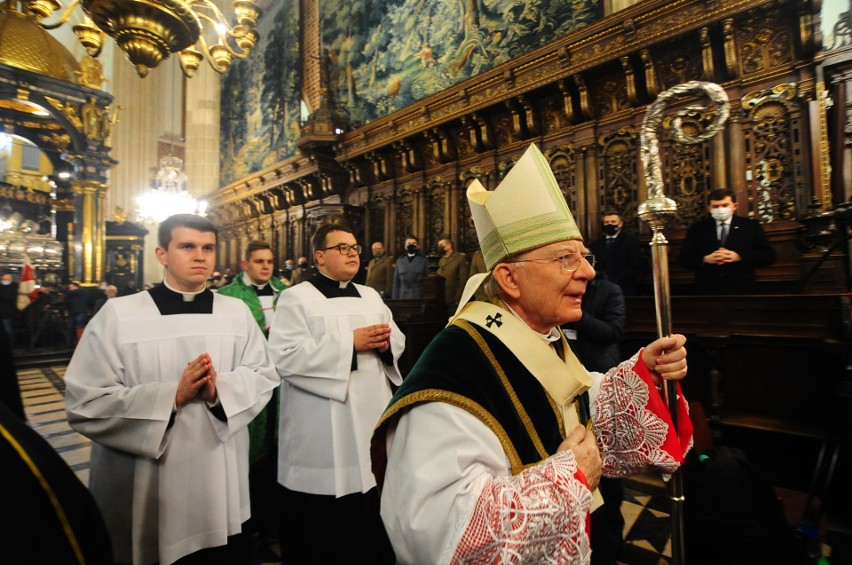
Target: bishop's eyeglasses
345,249
569,262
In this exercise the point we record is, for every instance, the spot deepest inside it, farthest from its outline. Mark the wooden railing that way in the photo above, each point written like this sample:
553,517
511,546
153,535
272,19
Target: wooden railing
770,370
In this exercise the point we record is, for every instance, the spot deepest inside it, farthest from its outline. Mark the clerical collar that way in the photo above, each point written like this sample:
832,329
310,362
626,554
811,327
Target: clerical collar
340,284
187,296
259,288
331,288
551,336
170,301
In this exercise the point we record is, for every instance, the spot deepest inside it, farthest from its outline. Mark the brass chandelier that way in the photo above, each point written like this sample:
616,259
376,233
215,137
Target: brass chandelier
149,30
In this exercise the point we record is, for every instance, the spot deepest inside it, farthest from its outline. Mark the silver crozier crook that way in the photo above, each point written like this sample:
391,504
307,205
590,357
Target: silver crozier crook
656,211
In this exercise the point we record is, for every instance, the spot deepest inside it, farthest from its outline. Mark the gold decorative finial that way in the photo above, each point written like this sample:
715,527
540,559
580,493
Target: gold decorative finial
91,73
120,214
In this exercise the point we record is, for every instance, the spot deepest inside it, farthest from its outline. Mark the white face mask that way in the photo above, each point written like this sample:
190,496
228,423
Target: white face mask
721,214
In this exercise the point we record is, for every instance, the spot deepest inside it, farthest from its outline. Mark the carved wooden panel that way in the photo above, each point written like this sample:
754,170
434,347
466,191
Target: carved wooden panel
763,40
468,241
436,202
686,168
609,90
772,148
678,61
377,211
405,221
555,116
562,162
618,172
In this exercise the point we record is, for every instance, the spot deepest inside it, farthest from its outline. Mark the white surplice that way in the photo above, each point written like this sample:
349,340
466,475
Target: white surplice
328,411
166,492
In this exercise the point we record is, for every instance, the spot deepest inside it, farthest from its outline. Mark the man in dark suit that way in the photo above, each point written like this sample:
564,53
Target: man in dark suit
595,336
725,249
618,253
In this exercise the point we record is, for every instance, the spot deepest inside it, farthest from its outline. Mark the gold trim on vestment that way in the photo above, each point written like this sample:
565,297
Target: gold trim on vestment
563,377
558,411
519,408
469,406
54,501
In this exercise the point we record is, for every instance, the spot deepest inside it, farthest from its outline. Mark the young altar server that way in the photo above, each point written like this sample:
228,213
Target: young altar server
336,347
165,383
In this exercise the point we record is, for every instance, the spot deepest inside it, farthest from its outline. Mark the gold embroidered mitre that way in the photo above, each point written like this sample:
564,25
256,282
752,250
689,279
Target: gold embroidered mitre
525,211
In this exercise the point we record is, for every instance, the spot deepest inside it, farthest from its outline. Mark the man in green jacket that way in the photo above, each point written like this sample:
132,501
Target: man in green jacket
259,289
255,285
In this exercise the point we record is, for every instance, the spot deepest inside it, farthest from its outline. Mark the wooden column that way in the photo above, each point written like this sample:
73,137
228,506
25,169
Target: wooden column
736,173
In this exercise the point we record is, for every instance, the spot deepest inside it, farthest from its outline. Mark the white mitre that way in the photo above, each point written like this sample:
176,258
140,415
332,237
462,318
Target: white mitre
526,211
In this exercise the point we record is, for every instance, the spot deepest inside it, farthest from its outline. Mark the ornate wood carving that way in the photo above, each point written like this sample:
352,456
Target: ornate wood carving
774,186
730,45
478,132
652,85
585,106
562,161
761,44
440,145
436,205
686,168
630,80
618,171
567,100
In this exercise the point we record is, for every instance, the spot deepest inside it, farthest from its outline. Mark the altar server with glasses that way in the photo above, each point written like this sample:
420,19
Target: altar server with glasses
336,348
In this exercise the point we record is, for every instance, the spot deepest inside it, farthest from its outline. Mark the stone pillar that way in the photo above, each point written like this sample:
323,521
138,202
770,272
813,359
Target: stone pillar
201,131
134,139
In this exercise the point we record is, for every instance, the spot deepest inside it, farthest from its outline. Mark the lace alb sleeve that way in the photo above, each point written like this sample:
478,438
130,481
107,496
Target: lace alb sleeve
634,429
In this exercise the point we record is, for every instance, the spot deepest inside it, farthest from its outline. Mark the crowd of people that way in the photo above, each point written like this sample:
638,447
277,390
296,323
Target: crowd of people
228,410
54,314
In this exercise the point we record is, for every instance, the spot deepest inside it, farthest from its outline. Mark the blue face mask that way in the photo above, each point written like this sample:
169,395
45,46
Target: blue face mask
5,283
289,267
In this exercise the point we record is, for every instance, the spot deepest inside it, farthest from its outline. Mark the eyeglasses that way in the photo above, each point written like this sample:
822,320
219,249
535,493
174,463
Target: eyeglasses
345,249
569,262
